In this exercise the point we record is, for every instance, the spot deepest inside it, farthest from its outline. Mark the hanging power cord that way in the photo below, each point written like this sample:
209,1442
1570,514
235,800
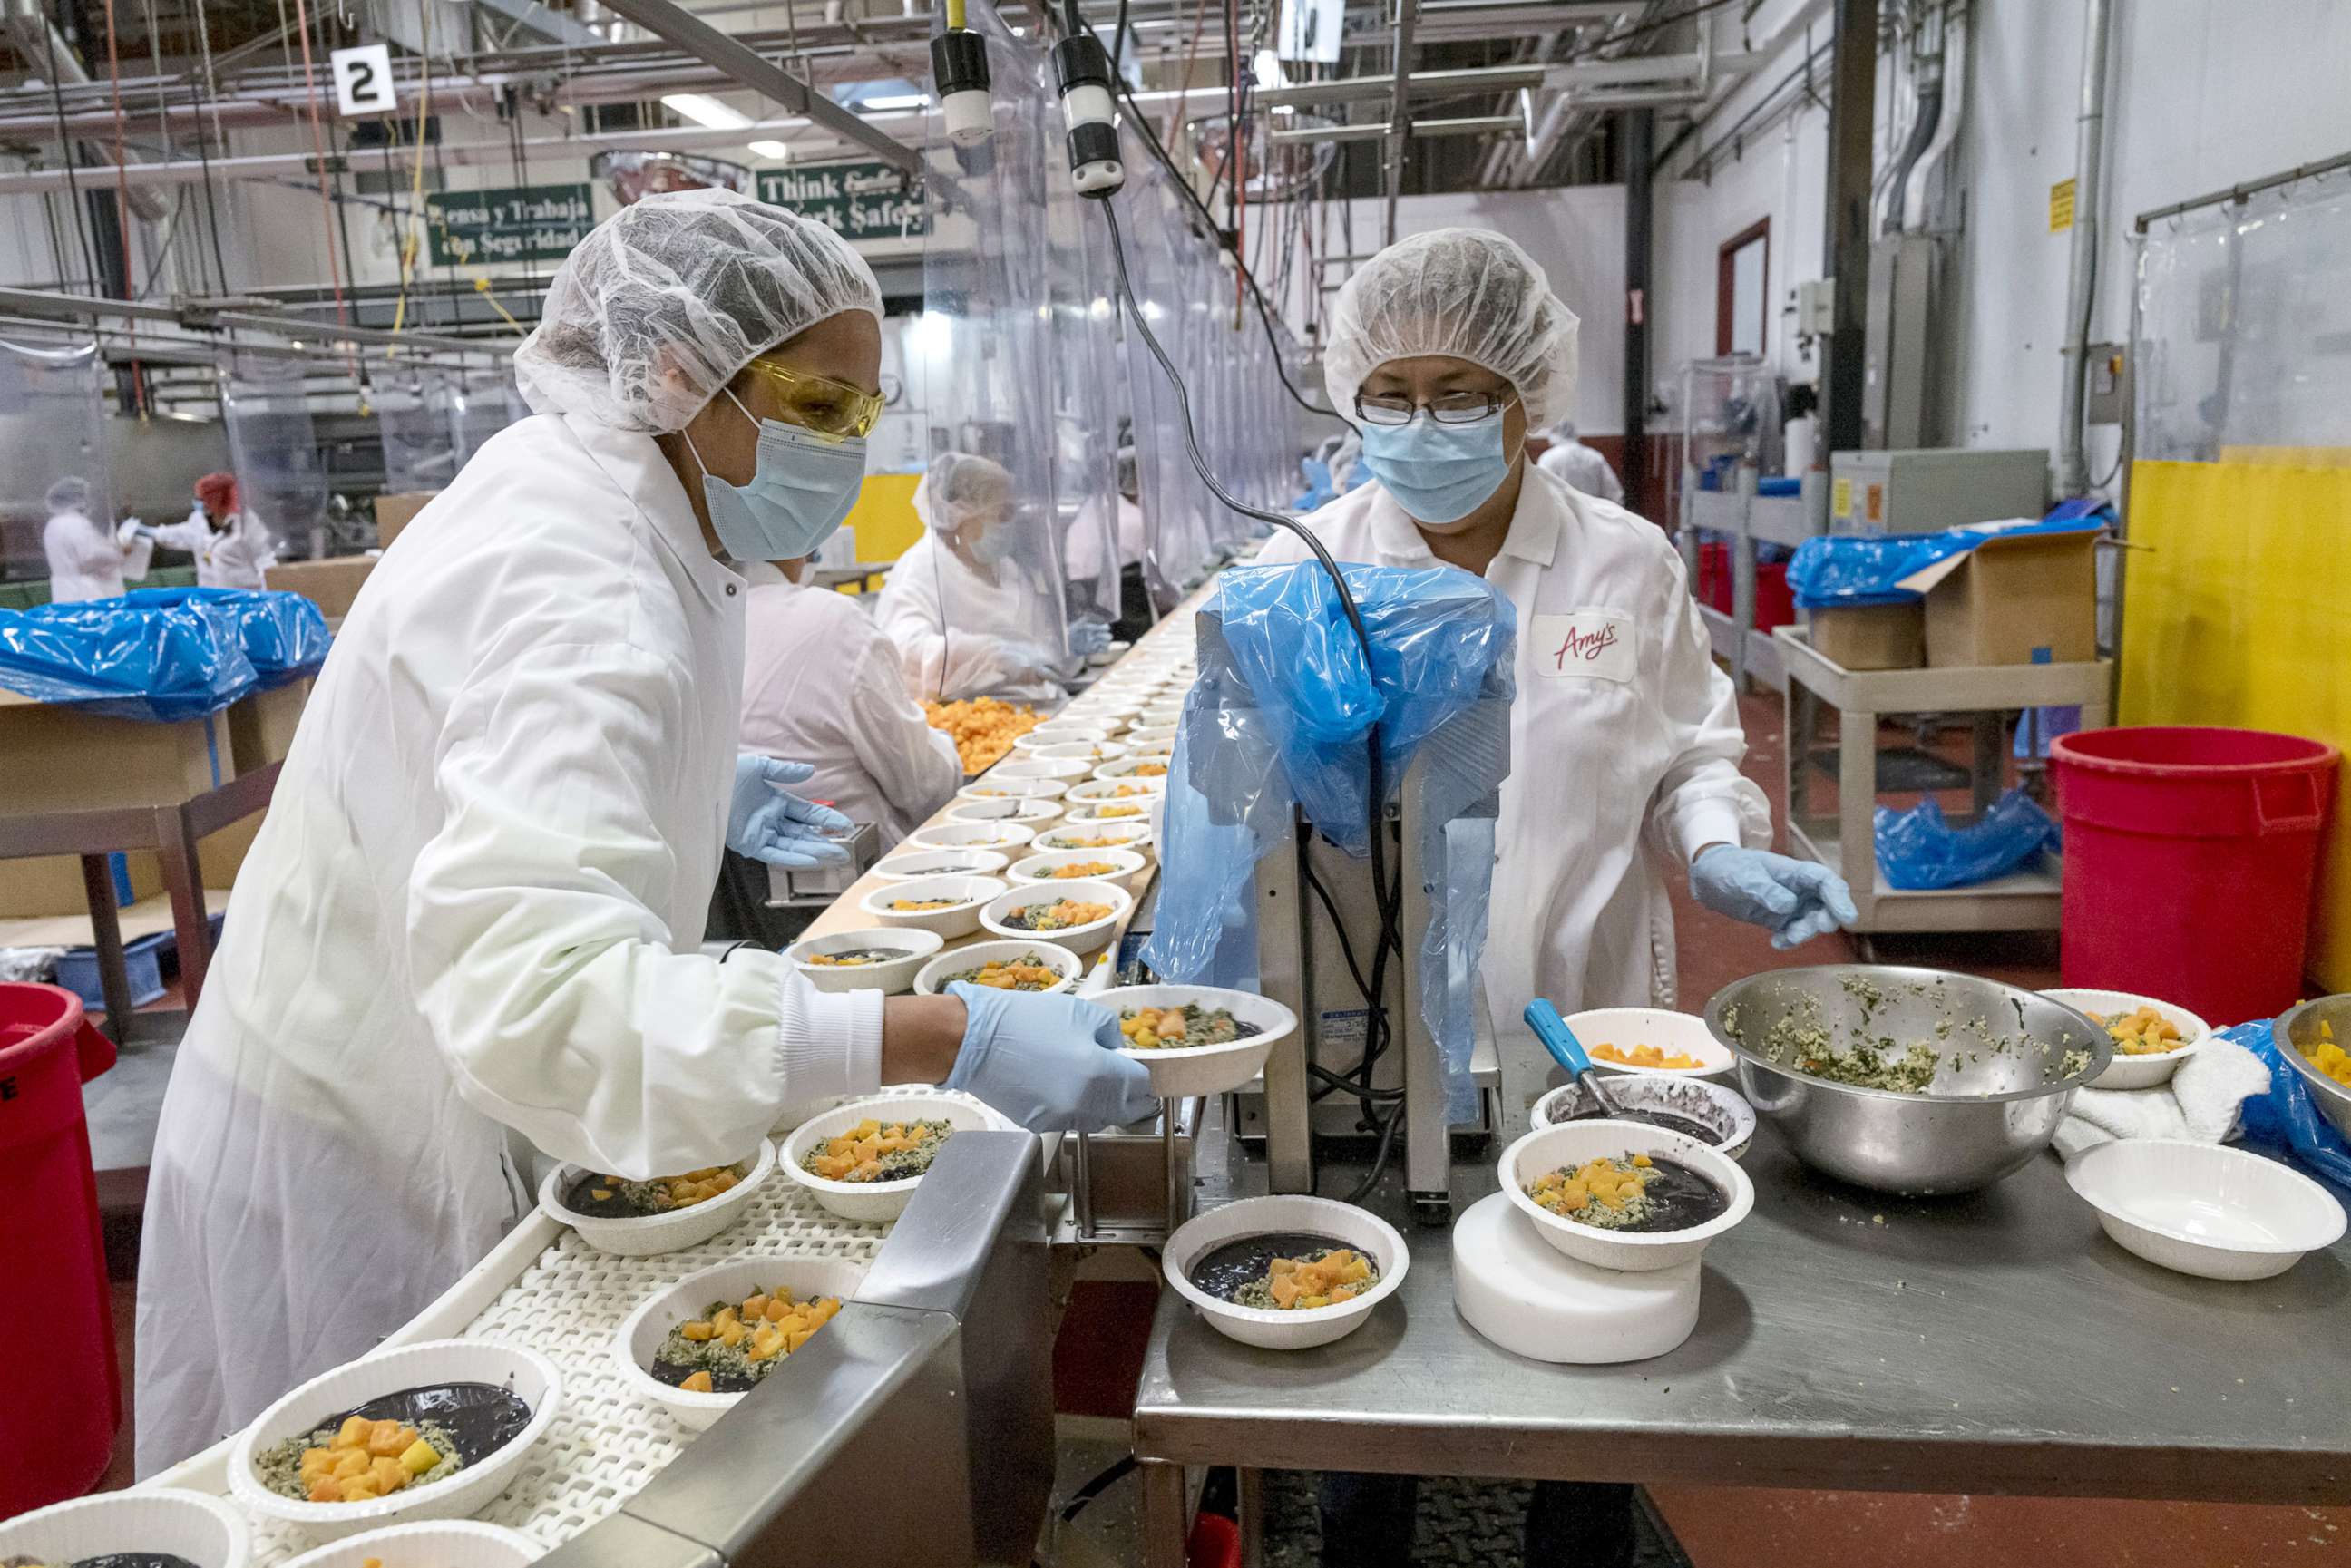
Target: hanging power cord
123,210
71,152
318,146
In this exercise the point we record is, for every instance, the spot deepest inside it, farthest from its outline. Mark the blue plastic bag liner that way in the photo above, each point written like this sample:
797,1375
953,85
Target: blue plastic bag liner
1917,848
1834,571
285,634
1278,722
2283,1123
161,663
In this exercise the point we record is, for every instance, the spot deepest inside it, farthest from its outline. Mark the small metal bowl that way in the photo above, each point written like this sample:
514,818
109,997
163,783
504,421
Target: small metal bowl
1985,1113
2296,1032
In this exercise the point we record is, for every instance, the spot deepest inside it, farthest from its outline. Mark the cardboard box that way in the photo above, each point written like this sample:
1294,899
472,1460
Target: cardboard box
331,585
2032,599
1871,636
51,885
393,511
261,727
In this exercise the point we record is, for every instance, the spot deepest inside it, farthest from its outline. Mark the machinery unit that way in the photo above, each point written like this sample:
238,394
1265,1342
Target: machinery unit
1922,490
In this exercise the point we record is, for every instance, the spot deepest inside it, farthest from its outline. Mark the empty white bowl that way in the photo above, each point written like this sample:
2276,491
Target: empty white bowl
1135,810
960,918
1090,937
1118,835
1029,765
940,971
1134,767
889,977
1161,713
1269,1330
1716,1106
1031,814
650,1235
915,863
430,1543
1061,732
1570,1144
987,787
1179,1071
640,1339
878,1202
1148,734
2137,1072
1126,867
206,1530
1001,836
1673,1033
2205,1209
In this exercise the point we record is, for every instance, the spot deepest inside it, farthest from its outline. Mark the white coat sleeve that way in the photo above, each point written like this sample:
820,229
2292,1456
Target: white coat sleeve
551,986
78,548
1702,798
935,663
189,535
914,765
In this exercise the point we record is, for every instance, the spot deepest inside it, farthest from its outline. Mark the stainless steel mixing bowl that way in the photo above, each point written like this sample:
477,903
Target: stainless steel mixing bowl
2297,1031
1985,1112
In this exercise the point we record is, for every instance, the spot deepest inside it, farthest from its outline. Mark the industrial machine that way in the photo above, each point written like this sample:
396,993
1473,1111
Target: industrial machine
1922,490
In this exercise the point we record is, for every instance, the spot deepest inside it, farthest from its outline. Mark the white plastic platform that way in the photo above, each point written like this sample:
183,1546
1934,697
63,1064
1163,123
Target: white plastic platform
1535,1300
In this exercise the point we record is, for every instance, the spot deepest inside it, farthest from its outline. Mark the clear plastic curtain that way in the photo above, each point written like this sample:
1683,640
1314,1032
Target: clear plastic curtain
52,427
1159,244
280,476
481,403
413,406
1090,404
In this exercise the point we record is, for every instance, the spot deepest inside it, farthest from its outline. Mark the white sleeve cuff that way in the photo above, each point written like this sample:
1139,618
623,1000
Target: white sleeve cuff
826,1043
1715,822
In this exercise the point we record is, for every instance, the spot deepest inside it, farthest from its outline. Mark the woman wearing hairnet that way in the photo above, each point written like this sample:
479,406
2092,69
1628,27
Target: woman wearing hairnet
476,906
1447,347
232,546
87,559
1580,467
966,619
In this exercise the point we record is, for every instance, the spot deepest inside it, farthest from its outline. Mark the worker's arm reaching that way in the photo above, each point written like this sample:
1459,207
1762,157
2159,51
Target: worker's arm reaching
913,766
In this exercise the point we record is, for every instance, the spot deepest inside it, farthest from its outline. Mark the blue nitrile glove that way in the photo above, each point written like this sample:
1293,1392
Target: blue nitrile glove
1794,900
1050,1063
767,824
1031,662
1088,637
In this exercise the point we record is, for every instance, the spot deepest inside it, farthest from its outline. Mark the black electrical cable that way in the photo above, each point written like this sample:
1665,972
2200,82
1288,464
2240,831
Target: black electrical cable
212,210
66,145
1380,1156
1093,1489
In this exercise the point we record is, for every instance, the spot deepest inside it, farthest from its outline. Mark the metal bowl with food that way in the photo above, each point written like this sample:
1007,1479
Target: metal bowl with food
2301,1035
1903,1079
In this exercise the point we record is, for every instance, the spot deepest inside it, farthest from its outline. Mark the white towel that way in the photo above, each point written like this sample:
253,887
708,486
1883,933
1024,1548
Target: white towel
2199,1103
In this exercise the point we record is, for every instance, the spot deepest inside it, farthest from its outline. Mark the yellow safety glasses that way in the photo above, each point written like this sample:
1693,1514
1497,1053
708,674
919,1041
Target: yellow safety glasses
834,410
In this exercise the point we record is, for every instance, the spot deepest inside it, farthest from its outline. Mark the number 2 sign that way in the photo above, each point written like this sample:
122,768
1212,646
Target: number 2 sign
363,79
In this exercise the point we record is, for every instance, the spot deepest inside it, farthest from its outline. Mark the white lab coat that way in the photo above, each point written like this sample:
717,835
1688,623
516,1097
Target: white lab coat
474,904
1580,468
1622,721
1083,549
821,686
960,636
88,561
236,557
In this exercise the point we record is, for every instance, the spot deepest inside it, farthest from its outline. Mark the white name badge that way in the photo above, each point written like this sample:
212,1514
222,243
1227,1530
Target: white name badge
1595,644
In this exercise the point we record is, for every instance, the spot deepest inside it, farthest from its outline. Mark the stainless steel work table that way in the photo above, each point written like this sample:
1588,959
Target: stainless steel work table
1993,1344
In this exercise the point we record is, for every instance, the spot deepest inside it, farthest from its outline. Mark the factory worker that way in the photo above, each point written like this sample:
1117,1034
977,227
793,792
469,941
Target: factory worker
967,618
1580,467
232,546
476,906
1447,347
87,558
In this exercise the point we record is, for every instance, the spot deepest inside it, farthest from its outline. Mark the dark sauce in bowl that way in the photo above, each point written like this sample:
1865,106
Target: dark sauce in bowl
1222,1271
1678,1199
1687,1127
480,1417
126,1560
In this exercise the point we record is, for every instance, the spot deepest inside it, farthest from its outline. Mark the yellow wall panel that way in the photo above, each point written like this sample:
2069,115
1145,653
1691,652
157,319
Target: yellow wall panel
883,518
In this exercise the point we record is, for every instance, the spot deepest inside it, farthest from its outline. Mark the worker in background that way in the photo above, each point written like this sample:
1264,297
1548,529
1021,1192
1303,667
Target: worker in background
87,558
232,546
476,906
969,619
1447,347
1083,552
1580,467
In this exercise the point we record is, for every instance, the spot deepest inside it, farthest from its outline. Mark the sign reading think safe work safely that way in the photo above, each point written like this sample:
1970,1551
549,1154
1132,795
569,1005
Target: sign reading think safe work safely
507,223
856,201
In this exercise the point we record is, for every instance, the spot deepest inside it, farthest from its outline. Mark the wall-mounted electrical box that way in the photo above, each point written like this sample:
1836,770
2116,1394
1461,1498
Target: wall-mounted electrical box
1926,489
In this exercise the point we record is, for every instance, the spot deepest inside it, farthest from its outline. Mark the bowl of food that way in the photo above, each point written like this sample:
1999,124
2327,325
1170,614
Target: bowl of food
1624,1195
917,864
1115,835
1162,713
1037,968
2314,1039
952,835
1065,731
947,906
641,1219
1086,751
432,1430
428,1543
863,1159
1029,765
1651,1042
2151,1038
157,1528
1286,1272
1080,915
1114,791
2205,1209
1092,813
1159,748
1709,1111
1124,867
1109,711
695,1347
1134,767
1150,734
1906,1081
883,958
990,787
1198,1039
1031,814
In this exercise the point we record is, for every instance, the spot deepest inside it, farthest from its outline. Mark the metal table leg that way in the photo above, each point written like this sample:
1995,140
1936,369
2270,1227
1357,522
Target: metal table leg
1987,771
184,876
1856,799
1250,1491
106,935
1167,1525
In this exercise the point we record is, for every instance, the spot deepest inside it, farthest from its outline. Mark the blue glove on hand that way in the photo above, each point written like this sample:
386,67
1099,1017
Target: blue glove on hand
1794,900
767,824
1050,1063
1088,637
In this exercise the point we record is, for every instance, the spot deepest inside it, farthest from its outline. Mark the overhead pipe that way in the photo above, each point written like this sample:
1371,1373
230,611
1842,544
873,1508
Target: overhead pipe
1947,133
2081,267
1927,67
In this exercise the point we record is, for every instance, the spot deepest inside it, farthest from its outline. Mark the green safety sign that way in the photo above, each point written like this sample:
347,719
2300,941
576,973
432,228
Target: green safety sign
507,223
856,201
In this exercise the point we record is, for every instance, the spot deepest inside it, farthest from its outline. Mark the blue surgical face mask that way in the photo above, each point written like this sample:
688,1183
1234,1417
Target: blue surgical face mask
800,491
994,546
1438,472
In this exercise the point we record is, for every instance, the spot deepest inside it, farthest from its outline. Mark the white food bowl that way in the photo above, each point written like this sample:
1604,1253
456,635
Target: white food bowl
1133,767
432,1543
2204,1209
917,864
1547,1149
1161,713
206,1530
889,977
1126,867
1124,834
877,1202
1148,734
1180,1071
989,788
651,1234
1714,1105
1105,792
2137,1072
640,1337
971,836
1031,814
1102,750
1060,732
1029,765
1673,1033
1090,937
1101,812
1159,748
934,978
528,1374
960,918
1269,1329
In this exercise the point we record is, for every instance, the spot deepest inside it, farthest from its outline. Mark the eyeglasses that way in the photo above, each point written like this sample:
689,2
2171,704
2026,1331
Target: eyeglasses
832,409
1446,408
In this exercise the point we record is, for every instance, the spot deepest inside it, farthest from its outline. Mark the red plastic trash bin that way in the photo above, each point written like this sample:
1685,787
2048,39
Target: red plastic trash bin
2190,855
58,1380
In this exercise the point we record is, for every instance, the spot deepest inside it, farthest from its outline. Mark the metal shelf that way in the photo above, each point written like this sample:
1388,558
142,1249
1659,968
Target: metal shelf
1765,665
1748,519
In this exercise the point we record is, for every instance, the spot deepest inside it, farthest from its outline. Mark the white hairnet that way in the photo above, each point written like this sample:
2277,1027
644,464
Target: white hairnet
69,494
1467,293
663,302
960,488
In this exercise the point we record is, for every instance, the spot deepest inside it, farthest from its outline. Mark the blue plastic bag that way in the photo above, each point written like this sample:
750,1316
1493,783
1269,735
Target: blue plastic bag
1918,849
283,635
1841,571
2284,1122
165,664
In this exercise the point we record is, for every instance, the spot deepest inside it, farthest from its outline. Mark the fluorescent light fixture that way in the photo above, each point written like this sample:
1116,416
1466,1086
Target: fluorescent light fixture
703,109
899,100
776,149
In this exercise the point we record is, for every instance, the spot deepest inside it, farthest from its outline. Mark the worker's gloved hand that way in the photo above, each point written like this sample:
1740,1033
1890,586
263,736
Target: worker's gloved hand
1032,662
1088,638
1794,900
1050,1063
132,529
767,824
